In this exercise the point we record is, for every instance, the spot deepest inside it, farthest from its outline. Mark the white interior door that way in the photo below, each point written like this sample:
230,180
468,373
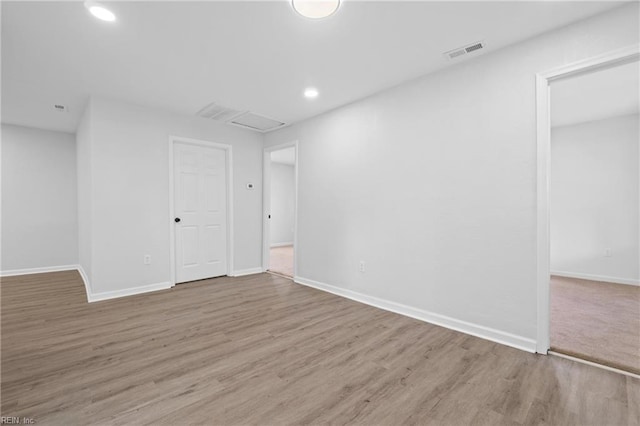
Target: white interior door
200,198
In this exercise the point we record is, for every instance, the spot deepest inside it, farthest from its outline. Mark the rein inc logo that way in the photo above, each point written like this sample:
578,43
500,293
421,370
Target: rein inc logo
6,420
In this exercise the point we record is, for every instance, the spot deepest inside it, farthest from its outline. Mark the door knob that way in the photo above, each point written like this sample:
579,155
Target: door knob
177,219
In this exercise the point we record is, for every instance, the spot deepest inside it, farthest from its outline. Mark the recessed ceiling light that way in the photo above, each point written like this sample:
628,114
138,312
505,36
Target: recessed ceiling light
99,11
315,9
310,92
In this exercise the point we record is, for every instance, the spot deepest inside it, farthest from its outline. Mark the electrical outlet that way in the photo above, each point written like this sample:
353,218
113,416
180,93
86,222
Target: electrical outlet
147,259
607,252
361,266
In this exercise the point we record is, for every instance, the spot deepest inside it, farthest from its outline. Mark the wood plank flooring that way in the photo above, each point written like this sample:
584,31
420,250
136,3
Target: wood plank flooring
263,350
596,321
281,260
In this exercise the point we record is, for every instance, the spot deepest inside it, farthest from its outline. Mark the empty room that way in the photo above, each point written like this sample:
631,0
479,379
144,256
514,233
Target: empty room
298,212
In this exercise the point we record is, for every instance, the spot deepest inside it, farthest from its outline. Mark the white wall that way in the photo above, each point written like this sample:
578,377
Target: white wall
129,195
594,199
39,209
433,185
282,204
84,167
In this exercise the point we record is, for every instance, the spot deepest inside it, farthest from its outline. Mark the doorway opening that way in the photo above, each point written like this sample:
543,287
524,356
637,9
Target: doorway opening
588,211
280,203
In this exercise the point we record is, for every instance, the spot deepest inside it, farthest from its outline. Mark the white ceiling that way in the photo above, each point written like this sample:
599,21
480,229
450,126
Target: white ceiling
607,93
284,156
256,56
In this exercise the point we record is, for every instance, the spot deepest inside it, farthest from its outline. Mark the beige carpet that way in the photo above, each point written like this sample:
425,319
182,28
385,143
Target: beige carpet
281,260
596,321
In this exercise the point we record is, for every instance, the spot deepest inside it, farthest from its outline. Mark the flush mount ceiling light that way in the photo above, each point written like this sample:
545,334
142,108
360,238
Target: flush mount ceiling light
310,93
315,9
99,11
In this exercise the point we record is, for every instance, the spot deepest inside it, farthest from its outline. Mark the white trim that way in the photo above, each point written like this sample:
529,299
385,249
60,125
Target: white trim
288,243
266,204
250,271
483,332
543,136
85,280
97,297
594,364
542,213
172,228
42,270
610,59
172,233
266,208
603,278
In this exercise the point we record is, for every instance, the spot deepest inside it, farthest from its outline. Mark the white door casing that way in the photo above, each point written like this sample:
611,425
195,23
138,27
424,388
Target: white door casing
200,210
266,205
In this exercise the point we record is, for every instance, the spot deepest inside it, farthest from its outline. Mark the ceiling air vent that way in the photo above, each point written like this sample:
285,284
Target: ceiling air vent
245,119
465,50
474,47
256,122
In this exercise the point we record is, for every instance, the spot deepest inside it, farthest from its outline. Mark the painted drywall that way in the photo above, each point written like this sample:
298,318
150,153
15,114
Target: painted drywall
433,185
84,162
282,204
39,208
594,199
129,205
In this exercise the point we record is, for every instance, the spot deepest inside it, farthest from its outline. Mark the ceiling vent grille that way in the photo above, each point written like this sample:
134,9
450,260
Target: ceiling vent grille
465,50
246,119
256,122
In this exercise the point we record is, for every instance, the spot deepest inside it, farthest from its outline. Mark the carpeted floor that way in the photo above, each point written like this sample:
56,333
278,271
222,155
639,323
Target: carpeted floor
596,321
281,260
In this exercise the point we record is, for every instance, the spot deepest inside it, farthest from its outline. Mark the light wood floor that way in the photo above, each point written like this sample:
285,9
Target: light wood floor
596,321
263,350
281,260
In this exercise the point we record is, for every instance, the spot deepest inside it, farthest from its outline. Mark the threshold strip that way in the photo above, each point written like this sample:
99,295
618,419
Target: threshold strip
280,275
594,364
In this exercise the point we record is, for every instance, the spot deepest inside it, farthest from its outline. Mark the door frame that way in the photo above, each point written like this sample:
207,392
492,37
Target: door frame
266,204
543,134
229,190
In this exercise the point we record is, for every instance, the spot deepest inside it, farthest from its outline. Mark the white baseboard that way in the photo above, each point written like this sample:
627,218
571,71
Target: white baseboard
14,272
243,272
590,277
483,332
85,280
96,297
281,244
